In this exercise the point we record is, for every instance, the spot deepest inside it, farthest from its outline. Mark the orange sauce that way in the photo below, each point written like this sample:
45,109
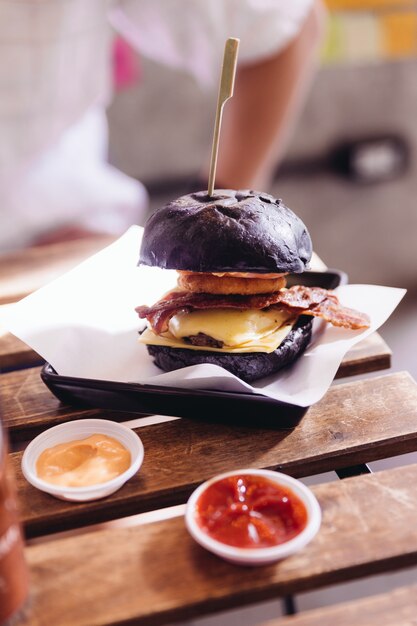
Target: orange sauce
83,462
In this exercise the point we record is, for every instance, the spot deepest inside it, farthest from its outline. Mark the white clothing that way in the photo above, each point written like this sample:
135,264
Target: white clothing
55,84
71,183
190,34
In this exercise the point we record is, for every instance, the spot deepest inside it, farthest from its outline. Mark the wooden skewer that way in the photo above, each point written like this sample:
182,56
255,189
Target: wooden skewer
227,82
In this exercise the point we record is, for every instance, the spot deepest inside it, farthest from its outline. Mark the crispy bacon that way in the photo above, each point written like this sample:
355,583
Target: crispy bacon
299,300
301,297
332,311
172,303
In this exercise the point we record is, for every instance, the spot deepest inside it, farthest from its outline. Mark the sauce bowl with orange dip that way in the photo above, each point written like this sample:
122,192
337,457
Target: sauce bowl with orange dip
83,460
253,517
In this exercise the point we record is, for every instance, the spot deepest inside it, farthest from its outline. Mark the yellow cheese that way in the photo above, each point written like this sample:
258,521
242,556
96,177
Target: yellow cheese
240,330
233,327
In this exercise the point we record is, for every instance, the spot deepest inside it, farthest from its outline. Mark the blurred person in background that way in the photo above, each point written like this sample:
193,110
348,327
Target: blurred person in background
55,83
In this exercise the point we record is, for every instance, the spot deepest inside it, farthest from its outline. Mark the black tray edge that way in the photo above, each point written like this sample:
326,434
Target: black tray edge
143,400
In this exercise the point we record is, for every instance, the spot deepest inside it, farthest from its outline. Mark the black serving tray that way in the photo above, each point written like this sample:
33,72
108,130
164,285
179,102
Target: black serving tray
223,406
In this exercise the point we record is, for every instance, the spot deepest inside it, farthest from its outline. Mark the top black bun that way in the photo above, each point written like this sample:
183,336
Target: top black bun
232,231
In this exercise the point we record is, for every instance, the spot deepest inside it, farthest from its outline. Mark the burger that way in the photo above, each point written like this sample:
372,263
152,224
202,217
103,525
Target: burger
231,306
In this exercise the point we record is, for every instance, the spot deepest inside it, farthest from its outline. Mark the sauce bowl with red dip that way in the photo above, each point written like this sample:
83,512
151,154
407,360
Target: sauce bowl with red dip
253,517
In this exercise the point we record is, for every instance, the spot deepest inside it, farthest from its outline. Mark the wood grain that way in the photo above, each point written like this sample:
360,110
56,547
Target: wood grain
394,608
155,573
370,355
23,271
29,406
355,423
14,354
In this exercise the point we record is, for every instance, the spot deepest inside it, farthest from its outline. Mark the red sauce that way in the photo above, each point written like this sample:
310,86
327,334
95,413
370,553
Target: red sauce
249,511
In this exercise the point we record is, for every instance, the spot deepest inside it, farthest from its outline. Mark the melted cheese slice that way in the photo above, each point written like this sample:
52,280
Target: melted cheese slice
240,330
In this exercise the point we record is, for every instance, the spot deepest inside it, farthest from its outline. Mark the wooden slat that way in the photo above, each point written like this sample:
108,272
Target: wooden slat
369,355
394,608
29,406
354,423
14,354
23,271
155,573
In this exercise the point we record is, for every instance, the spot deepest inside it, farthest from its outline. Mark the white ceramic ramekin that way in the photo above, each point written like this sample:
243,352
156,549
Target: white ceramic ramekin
80,429
257,556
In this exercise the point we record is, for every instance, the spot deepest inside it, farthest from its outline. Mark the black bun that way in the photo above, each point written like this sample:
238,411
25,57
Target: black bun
248,366
244,231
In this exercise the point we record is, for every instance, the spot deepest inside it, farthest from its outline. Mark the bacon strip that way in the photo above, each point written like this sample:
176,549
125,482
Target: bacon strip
332,311
299,299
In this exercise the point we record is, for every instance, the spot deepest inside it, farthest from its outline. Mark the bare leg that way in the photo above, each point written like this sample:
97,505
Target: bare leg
260,117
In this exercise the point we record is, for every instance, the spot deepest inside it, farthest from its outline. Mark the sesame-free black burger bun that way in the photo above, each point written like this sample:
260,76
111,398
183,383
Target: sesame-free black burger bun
232,231
248,366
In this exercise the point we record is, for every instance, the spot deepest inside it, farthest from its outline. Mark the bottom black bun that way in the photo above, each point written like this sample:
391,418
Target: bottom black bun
249,366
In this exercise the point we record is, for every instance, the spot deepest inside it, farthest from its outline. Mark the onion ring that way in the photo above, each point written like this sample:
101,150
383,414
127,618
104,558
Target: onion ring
209,283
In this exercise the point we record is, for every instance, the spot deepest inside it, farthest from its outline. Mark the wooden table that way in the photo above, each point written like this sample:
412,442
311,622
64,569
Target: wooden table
153,573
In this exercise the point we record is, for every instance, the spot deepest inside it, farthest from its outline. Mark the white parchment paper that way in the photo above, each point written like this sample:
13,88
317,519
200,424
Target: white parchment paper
84,324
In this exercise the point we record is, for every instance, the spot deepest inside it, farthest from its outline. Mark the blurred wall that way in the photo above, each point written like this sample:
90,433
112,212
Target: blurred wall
160,128
369,230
